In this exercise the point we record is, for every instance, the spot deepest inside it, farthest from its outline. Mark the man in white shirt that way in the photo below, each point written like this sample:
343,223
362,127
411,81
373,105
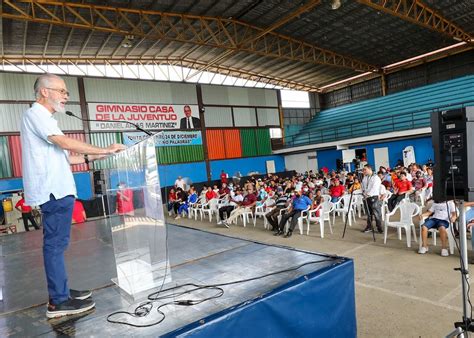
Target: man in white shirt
371,189
49,183
440,215
180,183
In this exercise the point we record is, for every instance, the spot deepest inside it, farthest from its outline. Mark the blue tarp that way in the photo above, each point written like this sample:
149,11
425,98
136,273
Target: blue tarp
320,304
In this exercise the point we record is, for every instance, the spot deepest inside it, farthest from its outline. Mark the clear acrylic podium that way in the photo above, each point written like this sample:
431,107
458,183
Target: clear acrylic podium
136,219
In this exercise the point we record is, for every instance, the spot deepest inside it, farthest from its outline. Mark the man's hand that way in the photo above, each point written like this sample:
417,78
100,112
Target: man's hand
115,148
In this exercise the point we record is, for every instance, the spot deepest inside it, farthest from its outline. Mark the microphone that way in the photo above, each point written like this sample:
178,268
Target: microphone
137,127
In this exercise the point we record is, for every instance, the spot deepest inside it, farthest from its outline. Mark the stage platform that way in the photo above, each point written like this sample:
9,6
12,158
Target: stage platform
315,300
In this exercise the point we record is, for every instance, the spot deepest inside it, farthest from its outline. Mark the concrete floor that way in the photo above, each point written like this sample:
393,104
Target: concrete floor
399,293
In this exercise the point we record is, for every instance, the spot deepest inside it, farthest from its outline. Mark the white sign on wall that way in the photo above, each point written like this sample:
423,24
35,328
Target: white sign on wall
147,116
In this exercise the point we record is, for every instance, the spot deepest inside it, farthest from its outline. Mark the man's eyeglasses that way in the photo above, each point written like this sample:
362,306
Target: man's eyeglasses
60,91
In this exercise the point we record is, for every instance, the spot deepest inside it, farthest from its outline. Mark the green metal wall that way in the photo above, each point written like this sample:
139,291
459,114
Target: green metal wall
247,139
264,144
5,164
168,155
104,140
255,142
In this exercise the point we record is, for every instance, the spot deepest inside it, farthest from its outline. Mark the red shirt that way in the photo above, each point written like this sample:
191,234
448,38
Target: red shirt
249,199
78,212
124,201
25,208
210,195
336,191
403,186
224,178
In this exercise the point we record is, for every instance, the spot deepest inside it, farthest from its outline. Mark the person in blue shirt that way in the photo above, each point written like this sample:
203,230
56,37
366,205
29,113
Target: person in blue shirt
184,206
300,202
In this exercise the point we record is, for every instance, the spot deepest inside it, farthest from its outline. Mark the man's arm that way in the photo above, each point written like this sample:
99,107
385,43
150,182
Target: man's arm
80,147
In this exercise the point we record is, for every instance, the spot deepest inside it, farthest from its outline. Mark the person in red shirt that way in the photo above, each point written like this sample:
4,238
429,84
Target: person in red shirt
336,190
401,187
78,213
125,200
224,177
210,194
26,213
171,200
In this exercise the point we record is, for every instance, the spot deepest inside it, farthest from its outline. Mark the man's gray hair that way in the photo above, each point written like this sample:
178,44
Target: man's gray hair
43,81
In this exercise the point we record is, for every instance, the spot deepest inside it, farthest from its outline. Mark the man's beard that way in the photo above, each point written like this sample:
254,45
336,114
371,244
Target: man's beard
58,107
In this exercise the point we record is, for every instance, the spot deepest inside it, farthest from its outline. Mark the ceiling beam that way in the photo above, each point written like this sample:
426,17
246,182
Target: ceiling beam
228,71
300,10
415,11
215,32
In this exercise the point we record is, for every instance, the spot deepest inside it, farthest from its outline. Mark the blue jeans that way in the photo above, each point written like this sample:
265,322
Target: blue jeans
335,199
57,218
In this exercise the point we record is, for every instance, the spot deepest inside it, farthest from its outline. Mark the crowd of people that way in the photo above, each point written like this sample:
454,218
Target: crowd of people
289,197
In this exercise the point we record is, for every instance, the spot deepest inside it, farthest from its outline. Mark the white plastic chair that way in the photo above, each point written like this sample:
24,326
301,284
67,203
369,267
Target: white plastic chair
325,198
327,209
303,215
193,209
384,207
261,211
342,207
318,219
209,208
420,196
246,216
451,239
408,210
358,202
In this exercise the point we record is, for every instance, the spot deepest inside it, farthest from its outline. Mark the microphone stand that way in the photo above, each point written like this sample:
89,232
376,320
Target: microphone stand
137,127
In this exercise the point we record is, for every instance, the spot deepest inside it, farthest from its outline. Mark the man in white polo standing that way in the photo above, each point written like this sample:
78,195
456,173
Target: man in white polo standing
49,183
371,189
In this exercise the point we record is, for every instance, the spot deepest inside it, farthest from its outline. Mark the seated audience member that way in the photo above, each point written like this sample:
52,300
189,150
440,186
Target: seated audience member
356,185
262,196
181,198
184,206
383,188
216,189
234,201
223,191
281,203
349,181
419,183
202,196
78,213
210,194
440,215
125,200
299,203
249,201
26,213
429,182
171,199
402,187
336,190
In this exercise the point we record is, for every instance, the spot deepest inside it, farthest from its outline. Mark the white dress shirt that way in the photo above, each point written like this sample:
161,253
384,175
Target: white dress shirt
46,168
371,185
